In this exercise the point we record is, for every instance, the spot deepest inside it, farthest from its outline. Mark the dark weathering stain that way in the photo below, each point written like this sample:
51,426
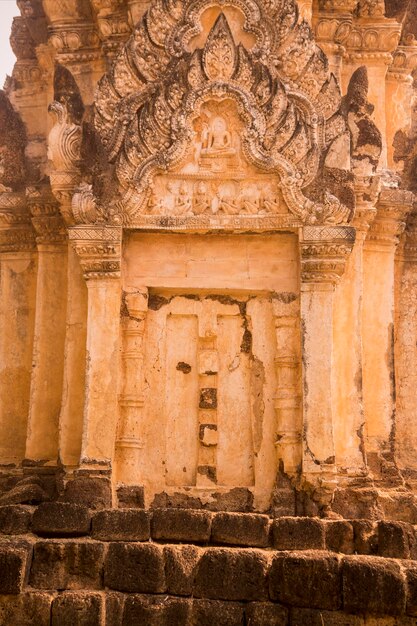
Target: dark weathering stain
208,398
157,302
209,471
185,368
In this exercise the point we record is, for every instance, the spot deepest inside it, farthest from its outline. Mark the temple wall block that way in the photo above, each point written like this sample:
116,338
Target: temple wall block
207,253
49,330
18,270
378,322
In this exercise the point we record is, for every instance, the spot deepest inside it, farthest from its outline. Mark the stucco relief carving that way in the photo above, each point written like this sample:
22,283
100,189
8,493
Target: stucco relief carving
150,110
216,179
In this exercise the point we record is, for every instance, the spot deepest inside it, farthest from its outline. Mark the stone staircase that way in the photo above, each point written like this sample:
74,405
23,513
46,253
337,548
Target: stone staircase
65,565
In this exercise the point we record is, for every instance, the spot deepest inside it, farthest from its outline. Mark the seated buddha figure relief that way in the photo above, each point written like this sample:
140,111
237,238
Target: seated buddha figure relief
217,140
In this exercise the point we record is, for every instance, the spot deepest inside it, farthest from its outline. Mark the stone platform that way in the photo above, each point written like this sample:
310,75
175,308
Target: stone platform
61,564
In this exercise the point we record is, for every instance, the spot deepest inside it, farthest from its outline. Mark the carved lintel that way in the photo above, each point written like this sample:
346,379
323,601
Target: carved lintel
278,98
99,250
393,207
16,232
324,251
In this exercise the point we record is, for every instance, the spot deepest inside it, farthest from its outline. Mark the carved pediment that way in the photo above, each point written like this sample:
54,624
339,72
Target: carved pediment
213,100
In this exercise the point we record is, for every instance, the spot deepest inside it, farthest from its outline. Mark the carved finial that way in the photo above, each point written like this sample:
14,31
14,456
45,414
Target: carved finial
21,40
64,144
366,139
84,206
66,91
219,58
12,147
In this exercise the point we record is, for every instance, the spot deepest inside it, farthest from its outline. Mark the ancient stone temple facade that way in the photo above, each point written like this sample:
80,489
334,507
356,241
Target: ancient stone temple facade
208,280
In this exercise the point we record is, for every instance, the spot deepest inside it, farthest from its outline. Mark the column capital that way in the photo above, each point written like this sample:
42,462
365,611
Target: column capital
16,231
99,249
393,207
332,27
324,251
373,37
46,218
113,24
404,62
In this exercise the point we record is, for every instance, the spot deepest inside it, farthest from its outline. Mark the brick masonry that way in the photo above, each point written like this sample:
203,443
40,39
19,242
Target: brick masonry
125,567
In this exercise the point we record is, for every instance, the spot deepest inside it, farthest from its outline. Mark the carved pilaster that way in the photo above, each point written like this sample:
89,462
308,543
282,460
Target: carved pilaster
99,250
131,400
410,247
406,351
324,251
17,303
74,37
378,326
75,42
49,338
347,375
287,402
371,42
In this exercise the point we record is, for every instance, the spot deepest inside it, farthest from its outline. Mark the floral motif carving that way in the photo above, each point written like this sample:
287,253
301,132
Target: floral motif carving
219,54
324,252
99,250
64,139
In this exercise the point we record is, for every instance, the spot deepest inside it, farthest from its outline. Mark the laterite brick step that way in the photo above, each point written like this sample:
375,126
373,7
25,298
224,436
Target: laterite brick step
62,520
126,567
